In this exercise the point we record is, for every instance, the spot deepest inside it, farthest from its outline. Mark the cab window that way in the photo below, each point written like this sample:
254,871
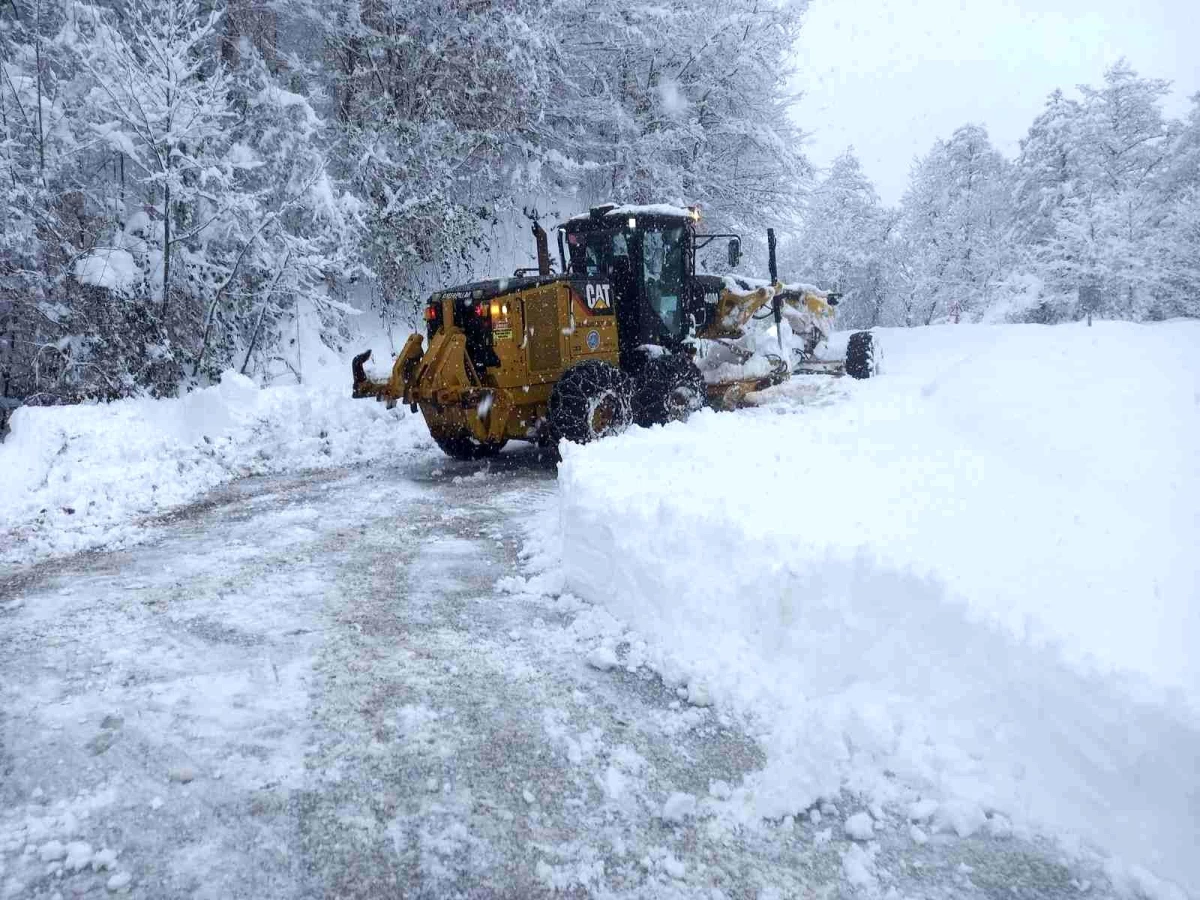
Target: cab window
598,253
662,258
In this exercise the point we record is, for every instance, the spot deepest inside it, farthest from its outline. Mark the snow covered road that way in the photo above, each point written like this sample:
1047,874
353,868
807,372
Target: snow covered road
311,686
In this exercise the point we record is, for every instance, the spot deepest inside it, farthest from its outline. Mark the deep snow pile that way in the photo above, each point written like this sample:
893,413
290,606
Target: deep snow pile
974,576
77,477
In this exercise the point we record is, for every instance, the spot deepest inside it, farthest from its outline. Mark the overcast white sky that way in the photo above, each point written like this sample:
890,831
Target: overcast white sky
891,76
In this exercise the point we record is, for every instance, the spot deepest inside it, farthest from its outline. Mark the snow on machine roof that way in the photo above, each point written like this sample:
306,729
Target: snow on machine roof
608,212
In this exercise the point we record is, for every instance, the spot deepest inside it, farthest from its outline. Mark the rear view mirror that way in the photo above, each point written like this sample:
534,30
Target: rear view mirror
735,252
833,298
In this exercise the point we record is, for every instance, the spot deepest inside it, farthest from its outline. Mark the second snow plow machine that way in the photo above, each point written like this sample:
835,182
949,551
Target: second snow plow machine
627,332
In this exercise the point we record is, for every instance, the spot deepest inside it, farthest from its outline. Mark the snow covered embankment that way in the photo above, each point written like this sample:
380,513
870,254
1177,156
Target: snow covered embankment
76,477
973,580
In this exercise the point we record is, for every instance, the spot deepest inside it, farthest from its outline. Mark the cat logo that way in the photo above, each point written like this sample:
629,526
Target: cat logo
598,296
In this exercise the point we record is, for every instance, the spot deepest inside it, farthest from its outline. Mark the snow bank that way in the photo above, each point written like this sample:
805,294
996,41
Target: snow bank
78,476
973,577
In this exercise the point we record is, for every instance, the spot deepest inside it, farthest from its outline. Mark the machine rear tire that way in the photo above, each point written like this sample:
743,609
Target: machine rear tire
863,356
591,400
669,389
465,448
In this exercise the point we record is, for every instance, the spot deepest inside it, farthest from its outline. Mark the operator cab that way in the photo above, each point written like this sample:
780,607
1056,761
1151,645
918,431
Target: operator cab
647,254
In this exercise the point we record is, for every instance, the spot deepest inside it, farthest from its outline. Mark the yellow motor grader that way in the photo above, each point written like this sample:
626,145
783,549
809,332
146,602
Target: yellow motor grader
626,332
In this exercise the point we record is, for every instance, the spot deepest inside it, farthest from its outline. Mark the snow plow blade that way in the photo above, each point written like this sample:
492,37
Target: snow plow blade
834,367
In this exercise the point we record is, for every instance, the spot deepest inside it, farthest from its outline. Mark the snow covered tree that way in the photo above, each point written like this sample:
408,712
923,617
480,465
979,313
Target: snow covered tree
1093,200
436,106
1181,227
1050,167
685,102
165,101
231,220
957,216
47,208
1052,178
1099,214
286,244
845,242
1130,142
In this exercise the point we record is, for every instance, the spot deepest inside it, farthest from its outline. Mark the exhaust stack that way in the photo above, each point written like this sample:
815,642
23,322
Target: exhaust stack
777,299
771,266
543,248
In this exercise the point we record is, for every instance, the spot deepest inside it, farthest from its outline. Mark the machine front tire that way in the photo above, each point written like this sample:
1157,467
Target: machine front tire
591,400
863,355
466,448
669,389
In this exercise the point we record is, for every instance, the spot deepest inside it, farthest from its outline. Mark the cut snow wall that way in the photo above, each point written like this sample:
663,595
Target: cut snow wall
976,573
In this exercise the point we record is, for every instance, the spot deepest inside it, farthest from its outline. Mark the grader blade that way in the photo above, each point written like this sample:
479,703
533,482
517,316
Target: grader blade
834,367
